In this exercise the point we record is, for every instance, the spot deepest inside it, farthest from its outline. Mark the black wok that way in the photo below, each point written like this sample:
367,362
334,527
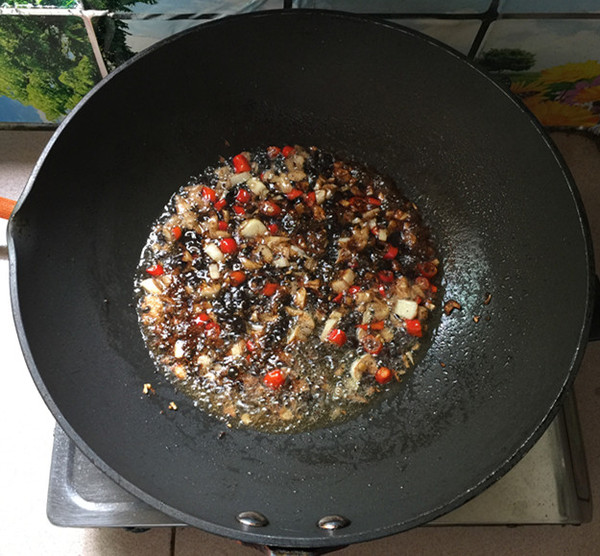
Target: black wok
507,219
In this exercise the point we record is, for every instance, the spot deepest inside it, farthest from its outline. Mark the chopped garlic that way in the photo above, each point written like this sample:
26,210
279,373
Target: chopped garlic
178,350
348,276
406,308
363,364
257,187
179,371
204,361
281,262
252,228
236,179
214,252
213,271
151,285
330,324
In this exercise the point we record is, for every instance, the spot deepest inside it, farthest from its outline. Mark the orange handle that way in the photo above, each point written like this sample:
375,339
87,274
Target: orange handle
6,207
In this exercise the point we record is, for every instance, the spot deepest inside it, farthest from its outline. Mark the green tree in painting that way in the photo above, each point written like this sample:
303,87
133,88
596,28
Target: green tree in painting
511,59
45,62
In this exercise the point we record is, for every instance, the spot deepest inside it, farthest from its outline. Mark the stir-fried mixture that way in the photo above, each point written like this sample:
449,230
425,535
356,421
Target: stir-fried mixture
283,289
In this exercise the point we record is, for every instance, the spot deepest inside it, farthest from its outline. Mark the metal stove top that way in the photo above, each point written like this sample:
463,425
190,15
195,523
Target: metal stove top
548,486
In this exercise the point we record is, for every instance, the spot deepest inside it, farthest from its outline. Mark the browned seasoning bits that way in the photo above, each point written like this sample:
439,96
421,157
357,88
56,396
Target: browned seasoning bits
450,305
284,288
147,389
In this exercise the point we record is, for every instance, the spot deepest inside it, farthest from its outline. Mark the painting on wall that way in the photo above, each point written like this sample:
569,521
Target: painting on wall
553,66
46,67
52,52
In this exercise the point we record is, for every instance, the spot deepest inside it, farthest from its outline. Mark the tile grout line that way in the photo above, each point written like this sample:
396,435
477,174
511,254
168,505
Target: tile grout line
172,542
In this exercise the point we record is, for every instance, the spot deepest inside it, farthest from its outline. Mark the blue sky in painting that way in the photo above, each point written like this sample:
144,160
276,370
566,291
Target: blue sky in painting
14,112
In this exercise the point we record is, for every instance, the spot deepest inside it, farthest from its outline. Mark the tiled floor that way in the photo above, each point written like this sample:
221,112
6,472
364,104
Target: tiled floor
27,436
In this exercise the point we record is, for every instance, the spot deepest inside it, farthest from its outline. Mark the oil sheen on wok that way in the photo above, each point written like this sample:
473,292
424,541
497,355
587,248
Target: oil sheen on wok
284,289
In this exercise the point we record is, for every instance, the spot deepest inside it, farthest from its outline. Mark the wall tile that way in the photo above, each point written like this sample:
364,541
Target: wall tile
398,6
458,34
549,6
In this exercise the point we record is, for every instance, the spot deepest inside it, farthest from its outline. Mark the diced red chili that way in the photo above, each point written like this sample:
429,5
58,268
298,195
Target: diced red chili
382,290
201,319
337,337
155,270
250,345
433,288
338,298
209,193
222,225
294,194
374,201
274,379
273,228
364,326
390,252
375,230
239,210
272,152
358,203
270,208
176,233
243,196
353,289
427,269
288,151
311,198
237,277
270,289
241,164
212,329
386,276
422,282
383,375
377,325
220,204
414,327
372,344
228,245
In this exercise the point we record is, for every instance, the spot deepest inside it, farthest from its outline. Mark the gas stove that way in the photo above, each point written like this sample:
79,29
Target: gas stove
548,486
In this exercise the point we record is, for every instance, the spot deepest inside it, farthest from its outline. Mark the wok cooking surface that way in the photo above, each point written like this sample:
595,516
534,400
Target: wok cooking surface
548,486
418,454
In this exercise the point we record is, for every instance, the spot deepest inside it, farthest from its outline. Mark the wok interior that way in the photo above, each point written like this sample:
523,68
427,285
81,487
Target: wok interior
502,209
